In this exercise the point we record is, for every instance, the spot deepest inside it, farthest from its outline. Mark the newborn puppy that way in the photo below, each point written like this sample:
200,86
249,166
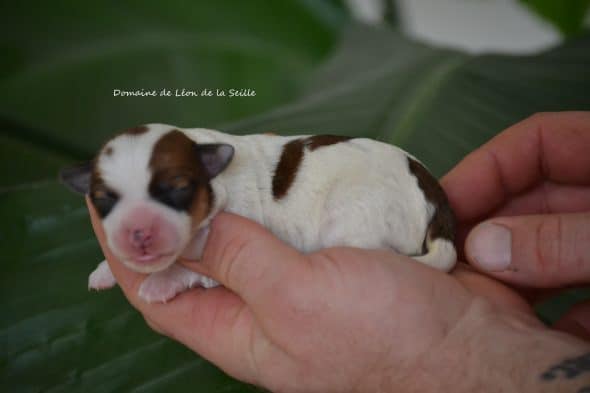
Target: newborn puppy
157,187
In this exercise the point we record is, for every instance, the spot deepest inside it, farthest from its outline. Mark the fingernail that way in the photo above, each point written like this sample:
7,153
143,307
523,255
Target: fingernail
490,245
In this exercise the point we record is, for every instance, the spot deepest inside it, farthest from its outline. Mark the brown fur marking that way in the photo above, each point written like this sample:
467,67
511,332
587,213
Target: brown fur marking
174,151
137,130
174,162
291,158
99,190
287,167
202,204
316,141
442,224
97,184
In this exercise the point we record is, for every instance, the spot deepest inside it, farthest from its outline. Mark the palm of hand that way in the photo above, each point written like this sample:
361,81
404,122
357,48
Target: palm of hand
322,327
355,293
351,294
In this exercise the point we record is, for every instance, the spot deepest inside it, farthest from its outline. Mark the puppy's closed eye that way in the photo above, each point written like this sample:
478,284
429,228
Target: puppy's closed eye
176,193
104,200
180,182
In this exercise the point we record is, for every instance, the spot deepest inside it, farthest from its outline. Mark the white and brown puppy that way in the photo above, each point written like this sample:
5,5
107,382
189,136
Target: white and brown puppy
157,187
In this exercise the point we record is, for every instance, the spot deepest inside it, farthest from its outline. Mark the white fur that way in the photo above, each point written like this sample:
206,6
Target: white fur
101,277
163,286
357,193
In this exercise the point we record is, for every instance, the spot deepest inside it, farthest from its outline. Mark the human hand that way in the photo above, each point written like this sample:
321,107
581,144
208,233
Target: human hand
530,185
345,320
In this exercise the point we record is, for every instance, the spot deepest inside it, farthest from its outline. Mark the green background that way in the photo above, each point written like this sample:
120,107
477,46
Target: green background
314,70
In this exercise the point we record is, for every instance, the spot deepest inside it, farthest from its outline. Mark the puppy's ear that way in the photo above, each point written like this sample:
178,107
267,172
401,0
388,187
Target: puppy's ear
215,157
77,178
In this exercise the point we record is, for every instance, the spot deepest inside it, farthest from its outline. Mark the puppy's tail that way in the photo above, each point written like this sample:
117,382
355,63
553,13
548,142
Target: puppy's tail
439,250
440,254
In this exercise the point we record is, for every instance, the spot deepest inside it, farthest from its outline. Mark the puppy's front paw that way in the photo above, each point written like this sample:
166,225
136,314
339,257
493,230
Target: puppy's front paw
101,277
162,286
159,288
207,282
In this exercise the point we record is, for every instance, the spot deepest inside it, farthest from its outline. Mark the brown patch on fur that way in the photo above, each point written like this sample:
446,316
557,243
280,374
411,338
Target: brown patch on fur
108,151
100,194
173,150
287,167
97,184
316,141
442,224
291,158
138,130
202,204
174,163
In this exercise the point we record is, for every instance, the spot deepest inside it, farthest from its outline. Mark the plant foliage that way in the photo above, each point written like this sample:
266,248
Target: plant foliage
57,107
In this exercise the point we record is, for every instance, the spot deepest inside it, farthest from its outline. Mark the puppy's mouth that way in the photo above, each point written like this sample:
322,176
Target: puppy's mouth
150,262
148,258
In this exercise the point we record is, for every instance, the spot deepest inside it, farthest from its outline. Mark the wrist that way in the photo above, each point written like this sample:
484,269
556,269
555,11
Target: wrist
492,350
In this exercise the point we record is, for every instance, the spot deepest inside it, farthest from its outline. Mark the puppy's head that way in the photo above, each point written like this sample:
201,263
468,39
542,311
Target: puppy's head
151,188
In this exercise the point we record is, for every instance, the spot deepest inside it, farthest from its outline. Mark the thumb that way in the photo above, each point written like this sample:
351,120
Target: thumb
540,251
576,321
248,259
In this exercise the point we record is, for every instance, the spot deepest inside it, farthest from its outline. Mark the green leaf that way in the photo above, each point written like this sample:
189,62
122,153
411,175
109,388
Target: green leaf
24,161
567,15
66,58
54,335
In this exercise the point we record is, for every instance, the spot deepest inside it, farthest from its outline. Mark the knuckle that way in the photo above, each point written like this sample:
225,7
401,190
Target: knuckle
578,231
549,245
232,252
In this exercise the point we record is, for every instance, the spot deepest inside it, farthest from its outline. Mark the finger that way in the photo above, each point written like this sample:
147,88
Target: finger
214,322
542,251
549,146
546,198
248,259
154,326
576,321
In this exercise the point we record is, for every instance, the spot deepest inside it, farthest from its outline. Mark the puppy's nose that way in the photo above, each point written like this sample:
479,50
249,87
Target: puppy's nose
140,237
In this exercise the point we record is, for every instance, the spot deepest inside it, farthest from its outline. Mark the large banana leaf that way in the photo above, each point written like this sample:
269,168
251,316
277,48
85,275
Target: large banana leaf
55,336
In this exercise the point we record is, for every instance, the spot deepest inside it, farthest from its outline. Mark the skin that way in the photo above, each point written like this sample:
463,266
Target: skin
534,178
346,320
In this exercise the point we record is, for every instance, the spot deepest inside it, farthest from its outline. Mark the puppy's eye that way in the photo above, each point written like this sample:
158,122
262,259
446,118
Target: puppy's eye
104,201
180,183
177,193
